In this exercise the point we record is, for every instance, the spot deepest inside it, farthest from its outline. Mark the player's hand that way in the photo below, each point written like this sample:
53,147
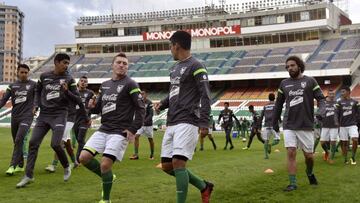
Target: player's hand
89,122
129,135
204,131
65,86
34,111
92,103
157,108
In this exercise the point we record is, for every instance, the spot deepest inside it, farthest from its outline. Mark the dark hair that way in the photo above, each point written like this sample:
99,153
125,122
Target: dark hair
183,38
61,56
271,96
345,87
298,61
226,103
121,54
84,77
22,65
251,107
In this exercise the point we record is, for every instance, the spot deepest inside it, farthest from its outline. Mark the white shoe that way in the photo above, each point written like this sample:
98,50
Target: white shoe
67,173
50,168
24,181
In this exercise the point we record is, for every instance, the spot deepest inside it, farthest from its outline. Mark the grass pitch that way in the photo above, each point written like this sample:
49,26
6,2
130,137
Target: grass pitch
238,176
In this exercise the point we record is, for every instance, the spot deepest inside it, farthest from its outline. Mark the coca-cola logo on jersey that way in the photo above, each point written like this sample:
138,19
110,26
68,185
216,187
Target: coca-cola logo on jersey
53,87
298,92
199,32
109,97
20,93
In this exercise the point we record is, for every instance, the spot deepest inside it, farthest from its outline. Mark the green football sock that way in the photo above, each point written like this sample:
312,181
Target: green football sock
55,162
275,142
292,179
196,181
136,151
266,147
333,150
353,155
73,140
151,152
309,169
107,179
182,183
94,166
72,157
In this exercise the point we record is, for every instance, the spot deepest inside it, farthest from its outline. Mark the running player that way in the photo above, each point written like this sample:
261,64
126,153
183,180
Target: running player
227,116
330,128
22,93
122,114
348,113
188,106
82,123
255,127
209,135
146,129
267,113
298,92
54,90
66,139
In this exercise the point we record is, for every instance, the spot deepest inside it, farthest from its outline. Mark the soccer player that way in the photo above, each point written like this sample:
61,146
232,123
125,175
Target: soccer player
330,128
82,123
146,129
54,91
227,116
267,113
122,114
66,139
188,106
298,92
255,127
22,93
209,135
348,113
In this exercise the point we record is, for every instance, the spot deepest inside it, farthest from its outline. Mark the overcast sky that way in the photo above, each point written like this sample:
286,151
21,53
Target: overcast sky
50,22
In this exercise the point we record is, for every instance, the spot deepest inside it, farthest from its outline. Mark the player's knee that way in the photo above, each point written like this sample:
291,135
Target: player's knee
56,146
84,157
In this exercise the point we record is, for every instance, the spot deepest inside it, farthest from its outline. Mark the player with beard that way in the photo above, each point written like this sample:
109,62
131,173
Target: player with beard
299,92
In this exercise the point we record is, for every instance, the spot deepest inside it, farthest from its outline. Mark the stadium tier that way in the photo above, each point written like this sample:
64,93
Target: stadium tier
329,54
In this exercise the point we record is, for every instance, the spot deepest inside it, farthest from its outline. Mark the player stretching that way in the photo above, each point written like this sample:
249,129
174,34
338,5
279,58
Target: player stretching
267,113
122,114
22,93
146,129
330,128
189,108
227,115
54,90
298,92
255,127
348,113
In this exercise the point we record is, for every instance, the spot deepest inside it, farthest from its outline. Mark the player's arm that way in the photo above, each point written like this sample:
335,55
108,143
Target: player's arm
280,99
95,103
202,83
5,97
220,116
139,106
338,112
320,98
150,113
164,104
38,89
73,94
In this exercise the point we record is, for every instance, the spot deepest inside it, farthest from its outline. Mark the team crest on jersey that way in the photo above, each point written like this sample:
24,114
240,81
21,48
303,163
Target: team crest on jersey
85,95
303,84
182,70
119,88
27,87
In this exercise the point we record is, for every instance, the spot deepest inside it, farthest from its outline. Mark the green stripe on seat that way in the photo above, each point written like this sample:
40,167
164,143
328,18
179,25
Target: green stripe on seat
201,70
279,90
73,84
317,87
135,90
